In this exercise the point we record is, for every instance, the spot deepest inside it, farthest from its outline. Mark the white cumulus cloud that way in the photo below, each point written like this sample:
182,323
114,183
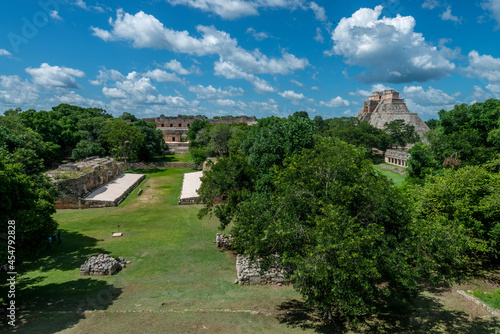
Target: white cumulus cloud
336,102
4,52
16,92
233,9
145,31
388,47
483,66
55,76
493,6
210,92
431,97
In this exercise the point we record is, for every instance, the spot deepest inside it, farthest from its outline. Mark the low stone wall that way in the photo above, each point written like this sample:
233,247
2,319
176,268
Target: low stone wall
188,201
393,169
100,171
477,301
151,165
251,274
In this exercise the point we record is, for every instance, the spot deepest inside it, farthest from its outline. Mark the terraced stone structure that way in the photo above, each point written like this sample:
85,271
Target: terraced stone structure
386,106
74,181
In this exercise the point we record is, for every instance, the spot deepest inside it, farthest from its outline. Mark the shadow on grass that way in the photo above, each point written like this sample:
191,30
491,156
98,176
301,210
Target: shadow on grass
52,308
74,250
424,315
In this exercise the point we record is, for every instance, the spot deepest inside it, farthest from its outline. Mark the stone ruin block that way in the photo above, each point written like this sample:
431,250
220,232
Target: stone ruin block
223,241
102,265
251,273
69,167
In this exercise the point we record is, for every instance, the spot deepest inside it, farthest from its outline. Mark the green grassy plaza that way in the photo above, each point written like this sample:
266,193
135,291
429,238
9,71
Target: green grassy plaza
179,282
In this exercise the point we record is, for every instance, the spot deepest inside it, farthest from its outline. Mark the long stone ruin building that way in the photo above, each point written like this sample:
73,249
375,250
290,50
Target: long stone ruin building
175,128
384,107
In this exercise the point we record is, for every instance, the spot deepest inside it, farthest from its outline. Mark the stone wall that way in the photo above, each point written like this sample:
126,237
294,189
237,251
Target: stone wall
397,157
393,169
85,177
251,273
188,201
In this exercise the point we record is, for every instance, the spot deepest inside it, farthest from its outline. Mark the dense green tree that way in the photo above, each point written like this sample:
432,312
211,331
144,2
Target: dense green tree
344,234
468,198
432,123
421,162
358,133
271,144
401,133
122,138
86,148
29,201
153,143
195,127
220,136
225,186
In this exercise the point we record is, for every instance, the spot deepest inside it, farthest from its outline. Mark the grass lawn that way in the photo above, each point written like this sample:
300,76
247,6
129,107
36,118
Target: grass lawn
184,157
179,282
395,177
491,299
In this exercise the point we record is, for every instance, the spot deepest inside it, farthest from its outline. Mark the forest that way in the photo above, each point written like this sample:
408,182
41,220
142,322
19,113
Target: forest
300,188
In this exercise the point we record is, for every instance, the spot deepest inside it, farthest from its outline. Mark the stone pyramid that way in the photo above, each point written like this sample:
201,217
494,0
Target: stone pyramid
386,106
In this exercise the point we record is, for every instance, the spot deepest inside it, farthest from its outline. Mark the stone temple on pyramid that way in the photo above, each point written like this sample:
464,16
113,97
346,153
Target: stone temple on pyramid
386,106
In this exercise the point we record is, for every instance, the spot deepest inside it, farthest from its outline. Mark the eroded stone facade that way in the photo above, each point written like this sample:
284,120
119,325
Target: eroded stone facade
386,106
175,128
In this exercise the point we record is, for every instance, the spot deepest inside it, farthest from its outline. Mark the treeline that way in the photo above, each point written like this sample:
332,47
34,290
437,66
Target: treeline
31,141
347,238
208,140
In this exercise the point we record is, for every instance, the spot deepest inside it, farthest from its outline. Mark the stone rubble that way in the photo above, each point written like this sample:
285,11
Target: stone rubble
102,265
223,240
252,274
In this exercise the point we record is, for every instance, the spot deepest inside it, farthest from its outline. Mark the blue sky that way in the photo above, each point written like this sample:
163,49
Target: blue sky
254,57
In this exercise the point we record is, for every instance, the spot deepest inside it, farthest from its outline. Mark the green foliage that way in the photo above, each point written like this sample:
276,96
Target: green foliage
421,163
468,133
272,143
401,133
432,123
467,198
361,134
29,200
195,127
123,139
225,186
153,143
86,148
338,226
491,299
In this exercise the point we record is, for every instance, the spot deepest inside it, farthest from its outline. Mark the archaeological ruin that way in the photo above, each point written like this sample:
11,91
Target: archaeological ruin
175,128
74,181
386,106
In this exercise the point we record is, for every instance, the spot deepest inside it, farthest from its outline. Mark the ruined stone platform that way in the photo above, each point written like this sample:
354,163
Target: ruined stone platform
190,185
113,192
